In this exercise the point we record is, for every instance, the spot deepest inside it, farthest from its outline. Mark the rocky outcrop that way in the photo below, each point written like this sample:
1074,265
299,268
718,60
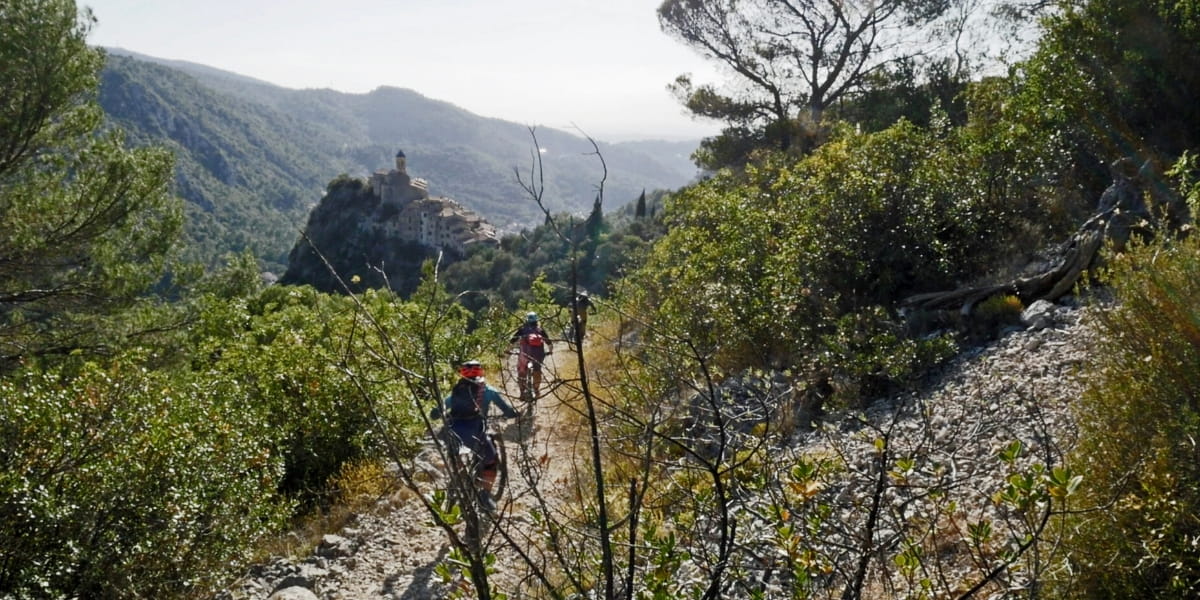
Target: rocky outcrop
377,233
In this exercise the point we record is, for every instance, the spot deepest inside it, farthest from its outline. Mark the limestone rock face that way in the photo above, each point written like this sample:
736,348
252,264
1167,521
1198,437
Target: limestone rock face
381,230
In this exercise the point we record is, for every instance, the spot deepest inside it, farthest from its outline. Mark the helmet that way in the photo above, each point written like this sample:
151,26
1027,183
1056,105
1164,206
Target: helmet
472,369
531,317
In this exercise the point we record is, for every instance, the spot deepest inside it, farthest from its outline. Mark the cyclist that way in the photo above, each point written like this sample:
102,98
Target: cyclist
535,345
582,307
466,411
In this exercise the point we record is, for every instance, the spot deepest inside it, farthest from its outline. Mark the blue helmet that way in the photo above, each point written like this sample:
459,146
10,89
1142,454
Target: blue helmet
531,317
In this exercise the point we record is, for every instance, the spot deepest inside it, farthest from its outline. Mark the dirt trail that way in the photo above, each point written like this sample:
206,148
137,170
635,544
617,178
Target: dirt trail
1022,386
393,552
544,454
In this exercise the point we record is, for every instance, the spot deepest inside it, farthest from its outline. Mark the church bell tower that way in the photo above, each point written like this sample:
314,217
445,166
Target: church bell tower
400,162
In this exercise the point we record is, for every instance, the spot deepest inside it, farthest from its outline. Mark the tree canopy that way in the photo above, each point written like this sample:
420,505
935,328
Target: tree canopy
88,223
791,59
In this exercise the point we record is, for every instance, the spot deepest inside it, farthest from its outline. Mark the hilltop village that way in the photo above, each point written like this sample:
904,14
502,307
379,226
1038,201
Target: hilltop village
380,230
409,214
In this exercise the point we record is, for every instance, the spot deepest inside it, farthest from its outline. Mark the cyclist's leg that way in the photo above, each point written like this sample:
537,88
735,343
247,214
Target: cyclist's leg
501,466
522,369
537,376
464,435
453,436
485,476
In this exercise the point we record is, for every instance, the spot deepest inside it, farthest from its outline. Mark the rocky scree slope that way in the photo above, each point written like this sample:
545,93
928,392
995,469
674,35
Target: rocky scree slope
1019,387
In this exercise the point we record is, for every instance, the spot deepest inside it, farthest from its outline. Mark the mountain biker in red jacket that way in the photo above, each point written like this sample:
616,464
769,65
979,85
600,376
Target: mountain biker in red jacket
535,345
465,412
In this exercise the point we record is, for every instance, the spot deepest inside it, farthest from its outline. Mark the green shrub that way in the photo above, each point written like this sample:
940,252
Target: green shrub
872,352
759,269
1117,78
1140,420
300,356
998,311
127,483
1001,308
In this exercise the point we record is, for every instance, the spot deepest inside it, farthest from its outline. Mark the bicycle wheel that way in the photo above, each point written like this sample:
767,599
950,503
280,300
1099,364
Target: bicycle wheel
501,466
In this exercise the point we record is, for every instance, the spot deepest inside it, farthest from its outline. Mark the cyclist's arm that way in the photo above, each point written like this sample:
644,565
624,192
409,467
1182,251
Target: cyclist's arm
498,400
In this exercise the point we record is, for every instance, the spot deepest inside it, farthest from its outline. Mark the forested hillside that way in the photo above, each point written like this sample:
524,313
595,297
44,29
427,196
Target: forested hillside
249,174
746,413
254,158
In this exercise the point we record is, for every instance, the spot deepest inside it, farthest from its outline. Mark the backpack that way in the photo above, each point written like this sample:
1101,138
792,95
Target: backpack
463,401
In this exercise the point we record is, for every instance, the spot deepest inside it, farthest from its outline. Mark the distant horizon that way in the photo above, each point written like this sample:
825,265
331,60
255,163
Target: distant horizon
143,56
597,67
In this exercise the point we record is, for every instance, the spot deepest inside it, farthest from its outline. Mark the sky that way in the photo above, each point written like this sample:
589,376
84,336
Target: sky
596,67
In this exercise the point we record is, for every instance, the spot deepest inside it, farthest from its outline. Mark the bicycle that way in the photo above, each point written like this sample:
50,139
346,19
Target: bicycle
460,479
525,382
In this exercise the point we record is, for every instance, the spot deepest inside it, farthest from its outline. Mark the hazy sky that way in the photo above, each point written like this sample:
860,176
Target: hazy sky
600,65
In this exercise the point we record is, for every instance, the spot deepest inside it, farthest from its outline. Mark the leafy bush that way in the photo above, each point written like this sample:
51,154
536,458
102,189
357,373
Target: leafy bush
759,269
1118,78
122,482
289,349
1003,308
872,351
995,313
1140,421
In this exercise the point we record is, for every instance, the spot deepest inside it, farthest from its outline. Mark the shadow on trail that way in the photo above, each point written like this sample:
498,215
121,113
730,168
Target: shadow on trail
423,584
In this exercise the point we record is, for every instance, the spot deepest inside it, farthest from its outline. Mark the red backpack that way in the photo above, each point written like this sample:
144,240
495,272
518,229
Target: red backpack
534,339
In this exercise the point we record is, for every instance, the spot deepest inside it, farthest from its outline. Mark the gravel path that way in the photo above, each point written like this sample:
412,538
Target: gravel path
391,553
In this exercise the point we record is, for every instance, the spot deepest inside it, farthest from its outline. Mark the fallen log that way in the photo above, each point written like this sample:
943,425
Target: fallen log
1122,212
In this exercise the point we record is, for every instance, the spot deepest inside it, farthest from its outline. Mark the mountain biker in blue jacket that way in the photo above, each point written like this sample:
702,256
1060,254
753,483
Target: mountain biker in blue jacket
465,412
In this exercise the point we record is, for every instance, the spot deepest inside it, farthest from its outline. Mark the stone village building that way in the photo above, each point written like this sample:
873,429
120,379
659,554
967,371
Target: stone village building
411,215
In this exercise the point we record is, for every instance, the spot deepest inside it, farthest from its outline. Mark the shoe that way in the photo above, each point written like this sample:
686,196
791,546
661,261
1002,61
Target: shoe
486,501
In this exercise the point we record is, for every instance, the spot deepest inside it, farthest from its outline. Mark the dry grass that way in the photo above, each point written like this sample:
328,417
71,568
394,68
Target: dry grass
360,487
611,392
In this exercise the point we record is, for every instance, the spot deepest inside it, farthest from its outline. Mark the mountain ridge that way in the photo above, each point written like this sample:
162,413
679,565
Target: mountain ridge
251,153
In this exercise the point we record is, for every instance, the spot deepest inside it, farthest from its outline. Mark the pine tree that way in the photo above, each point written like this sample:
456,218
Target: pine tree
87,222
595,220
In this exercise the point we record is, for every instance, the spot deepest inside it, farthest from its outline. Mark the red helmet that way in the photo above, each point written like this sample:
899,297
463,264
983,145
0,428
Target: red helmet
472,369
